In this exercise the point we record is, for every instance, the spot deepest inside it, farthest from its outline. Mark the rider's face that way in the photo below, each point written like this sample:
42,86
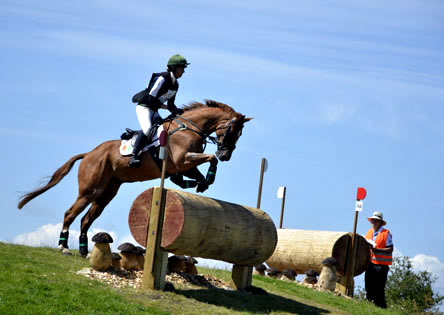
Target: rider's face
179,72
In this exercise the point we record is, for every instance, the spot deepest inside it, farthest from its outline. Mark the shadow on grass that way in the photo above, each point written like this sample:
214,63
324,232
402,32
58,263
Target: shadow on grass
247,302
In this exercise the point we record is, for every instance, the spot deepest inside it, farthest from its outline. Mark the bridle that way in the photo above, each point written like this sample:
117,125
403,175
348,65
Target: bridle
220,145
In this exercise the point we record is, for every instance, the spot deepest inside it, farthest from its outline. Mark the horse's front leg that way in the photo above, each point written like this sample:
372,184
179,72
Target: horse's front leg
194,173
179,181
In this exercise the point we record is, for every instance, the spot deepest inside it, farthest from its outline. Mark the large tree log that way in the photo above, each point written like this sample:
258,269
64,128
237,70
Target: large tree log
305,249
203,227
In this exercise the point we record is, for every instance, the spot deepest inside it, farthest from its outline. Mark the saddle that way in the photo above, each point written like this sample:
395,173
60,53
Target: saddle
152,145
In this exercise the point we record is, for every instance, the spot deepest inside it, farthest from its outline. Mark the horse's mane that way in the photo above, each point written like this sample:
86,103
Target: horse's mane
209,103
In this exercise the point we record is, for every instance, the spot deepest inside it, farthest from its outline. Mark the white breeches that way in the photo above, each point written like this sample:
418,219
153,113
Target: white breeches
145,117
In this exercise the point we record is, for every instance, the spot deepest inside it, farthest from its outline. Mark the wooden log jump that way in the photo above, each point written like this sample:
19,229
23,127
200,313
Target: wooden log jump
209,228
305,249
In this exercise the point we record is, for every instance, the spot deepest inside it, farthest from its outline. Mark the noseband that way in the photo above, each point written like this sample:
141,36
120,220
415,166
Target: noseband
222,146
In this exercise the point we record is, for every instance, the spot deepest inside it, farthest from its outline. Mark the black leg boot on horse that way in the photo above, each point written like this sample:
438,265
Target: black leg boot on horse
83,244
135,160
63,240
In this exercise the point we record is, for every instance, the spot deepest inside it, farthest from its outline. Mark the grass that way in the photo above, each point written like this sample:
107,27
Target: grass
42,281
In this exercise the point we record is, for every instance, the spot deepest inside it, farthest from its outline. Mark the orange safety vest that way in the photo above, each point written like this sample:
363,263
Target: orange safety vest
380,259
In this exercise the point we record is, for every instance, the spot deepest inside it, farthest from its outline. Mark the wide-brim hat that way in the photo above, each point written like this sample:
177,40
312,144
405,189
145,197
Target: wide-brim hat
377,216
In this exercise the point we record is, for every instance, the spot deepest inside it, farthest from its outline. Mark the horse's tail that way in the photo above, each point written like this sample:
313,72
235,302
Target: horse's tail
55,179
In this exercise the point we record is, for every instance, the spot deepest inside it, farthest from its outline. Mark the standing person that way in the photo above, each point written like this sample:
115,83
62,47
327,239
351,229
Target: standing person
381,248
162,88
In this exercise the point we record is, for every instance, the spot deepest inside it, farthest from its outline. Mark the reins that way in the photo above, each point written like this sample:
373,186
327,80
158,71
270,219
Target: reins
183,126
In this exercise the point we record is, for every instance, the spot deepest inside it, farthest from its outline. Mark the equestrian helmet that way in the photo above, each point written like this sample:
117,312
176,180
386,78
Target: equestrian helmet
178,60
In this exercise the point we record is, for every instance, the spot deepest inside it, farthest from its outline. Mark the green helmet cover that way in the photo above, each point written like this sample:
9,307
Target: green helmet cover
178,60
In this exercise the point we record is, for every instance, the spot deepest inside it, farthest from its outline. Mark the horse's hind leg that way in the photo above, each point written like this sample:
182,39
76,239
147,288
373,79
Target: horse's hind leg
78,206
96,209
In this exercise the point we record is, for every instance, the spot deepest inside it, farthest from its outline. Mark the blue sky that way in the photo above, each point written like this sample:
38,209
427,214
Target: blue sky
343,94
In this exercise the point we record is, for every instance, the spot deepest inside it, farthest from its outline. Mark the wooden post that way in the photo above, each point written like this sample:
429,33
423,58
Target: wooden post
351,259
341,285
156,258
361,194
282,208
259,194
241,277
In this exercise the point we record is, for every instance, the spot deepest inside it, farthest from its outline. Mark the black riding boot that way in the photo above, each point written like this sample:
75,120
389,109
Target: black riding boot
135,161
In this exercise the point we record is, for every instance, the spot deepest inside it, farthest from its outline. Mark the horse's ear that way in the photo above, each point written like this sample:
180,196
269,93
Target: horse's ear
248,119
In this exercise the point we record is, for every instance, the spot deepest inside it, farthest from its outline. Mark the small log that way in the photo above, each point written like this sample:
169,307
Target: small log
209,228
302,250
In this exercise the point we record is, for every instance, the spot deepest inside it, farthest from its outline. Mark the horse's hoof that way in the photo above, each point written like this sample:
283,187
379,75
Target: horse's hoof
201,187
62,248
83,252
66,252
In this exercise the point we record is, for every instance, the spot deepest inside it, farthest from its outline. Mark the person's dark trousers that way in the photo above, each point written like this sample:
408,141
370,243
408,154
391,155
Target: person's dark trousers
375,280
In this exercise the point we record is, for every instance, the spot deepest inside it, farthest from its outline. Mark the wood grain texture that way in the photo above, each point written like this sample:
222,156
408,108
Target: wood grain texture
209,228
305,249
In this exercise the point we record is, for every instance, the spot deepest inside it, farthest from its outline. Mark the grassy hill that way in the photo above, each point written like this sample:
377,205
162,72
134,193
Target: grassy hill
42,281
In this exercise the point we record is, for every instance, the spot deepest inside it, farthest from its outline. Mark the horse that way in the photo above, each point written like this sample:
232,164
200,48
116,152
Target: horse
104,169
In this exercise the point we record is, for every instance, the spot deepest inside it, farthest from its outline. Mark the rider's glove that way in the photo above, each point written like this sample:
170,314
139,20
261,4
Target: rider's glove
177,111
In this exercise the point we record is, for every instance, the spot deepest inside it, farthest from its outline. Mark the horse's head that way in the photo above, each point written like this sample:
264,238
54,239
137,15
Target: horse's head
219,118
227,136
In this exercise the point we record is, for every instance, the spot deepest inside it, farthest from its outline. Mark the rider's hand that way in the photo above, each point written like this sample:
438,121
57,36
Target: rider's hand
178,111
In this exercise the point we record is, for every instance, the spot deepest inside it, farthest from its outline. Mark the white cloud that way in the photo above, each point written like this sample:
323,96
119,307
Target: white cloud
431,264
48,236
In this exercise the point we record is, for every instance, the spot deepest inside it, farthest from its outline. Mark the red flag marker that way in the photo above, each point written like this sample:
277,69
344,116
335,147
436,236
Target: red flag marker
361,193
163,138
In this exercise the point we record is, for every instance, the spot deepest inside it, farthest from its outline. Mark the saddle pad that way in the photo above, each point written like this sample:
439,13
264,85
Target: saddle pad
126,146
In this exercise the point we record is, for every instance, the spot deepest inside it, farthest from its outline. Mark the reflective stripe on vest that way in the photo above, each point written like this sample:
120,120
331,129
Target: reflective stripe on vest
380,241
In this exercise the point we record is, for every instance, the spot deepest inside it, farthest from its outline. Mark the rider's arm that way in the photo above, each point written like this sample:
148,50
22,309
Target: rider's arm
172,107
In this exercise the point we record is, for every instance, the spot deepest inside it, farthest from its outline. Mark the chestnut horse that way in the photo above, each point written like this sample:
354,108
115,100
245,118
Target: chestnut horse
103,170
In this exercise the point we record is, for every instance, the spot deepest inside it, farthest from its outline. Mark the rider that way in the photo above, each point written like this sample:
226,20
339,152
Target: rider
161,88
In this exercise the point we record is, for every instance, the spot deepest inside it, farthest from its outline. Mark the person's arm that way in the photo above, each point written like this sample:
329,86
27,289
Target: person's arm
388,246
173,108
387,250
